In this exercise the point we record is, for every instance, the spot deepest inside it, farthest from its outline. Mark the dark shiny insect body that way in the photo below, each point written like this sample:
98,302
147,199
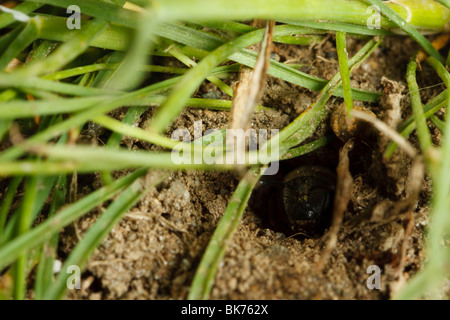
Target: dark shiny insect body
307,197
300,202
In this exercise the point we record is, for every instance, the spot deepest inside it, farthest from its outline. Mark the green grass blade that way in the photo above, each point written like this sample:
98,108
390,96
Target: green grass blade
25,83
409,125
79,42
435,270
44,273
307,148
343,69
85,116
342,27
423,133
445,3
206,271
38,235
23,40
97,232
26,7
19,269
6,202
405,26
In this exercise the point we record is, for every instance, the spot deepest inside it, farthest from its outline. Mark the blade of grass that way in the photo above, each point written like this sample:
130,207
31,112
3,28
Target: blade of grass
338,26
307,148
198,39
129,73
24,109
77,120
25,7
44,189
409,125
114,37
44,273
445,3
89,159
19,269
405,26
6,39
438,122
98,231
99,9
78,43
206,271
64,74
38,235
343,69
23,40
433,15
45,48
26,83
128,130
435,270
416,103
177,54
205,41
192,79
7,200
299,129
440,70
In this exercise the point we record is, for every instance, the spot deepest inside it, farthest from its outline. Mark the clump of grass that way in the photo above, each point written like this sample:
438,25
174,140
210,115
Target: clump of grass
62,79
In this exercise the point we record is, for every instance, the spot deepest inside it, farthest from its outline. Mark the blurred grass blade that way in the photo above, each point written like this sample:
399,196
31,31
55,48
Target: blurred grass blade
78,43
103,10
45,187
435,270
423,133
408,126
246,57
25,83
85,116
343,69
44,272
307,148
6,201
25,8
129,73
405,26
38,235
445,3
342,27
17,15
23,40
19,269
99,230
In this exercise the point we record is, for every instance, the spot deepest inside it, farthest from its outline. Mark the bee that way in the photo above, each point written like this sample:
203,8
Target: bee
300,203
307,197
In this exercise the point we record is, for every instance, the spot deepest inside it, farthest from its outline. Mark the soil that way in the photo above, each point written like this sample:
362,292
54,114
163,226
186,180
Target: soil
154,251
